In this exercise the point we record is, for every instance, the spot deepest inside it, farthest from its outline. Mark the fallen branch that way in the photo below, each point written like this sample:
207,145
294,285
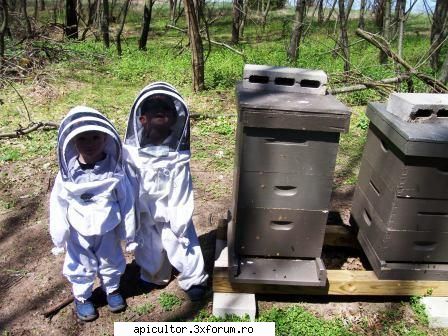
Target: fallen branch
434,83
370,85
53,310
45,125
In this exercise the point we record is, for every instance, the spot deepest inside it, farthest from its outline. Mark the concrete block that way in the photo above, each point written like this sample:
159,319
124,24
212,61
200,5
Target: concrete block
238,304
437,311
284,79
419,107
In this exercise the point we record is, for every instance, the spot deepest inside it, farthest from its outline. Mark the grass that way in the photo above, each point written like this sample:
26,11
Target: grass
419,309
169,301
297,320
144,309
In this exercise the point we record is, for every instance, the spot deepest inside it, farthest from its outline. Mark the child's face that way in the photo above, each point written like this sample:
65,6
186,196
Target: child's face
90,145
159,117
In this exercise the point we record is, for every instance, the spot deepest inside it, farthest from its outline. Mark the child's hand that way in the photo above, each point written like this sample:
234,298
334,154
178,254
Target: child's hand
57,250
130,247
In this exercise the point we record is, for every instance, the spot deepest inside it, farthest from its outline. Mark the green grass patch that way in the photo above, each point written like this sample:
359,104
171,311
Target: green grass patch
296,320
144,309
169,301
419,309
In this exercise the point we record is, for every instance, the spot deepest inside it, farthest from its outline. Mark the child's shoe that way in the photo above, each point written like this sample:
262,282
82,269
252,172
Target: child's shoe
85,310
115,302
196,292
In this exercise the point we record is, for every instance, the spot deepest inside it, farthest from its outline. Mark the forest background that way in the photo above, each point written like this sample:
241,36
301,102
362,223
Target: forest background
100,53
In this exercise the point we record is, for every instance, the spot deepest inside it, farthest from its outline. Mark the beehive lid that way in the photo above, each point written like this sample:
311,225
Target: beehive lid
291,110
428,139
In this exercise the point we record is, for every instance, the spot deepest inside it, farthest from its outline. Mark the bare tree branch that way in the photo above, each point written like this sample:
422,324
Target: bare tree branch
222,44
371,38
21,131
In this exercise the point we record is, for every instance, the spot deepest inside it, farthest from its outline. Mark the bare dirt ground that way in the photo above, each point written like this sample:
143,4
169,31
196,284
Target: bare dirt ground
31,281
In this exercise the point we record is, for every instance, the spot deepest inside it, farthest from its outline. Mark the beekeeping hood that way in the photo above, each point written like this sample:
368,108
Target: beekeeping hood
178,140
82,119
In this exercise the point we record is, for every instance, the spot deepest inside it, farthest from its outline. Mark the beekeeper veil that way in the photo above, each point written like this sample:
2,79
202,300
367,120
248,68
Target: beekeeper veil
82,119
159,121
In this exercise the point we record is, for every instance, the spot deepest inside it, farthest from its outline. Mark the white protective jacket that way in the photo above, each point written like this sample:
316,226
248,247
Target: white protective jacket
166,192
167,236
96,202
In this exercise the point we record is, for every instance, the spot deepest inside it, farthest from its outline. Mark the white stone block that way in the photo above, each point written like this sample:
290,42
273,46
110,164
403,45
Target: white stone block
416,107
437,311
238,304
284,79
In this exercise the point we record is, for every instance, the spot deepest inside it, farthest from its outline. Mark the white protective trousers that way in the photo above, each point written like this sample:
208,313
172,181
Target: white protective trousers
88,256
159,249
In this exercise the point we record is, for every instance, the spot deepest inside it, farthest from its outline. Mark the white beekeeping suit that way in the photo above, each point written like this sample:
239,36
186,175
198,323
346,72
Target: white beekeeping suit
166,235
91,210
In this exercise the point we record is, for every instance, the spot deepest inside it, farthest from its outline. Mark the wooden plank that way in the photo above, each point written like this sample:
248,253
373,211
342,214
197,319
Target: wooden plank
340,282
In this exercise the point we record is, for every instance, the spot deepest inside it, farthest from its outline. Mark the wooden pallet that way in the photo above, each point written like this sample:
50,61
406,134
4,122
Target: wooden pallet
339,282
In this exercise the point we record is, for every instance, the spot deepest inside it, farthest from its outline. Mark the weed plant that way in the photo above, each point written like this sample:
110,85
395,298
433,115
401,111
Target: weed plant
168,301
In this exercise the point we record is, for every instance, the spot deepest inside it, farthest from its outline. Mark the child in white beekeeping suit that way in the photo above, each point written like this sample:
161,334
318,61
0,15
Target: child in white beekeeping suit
157,148
91,208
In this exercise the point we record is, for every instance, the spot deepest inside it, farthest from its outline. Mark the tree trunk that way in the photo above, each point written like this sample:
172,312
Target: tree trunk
71,19
105,23
3,29
120,29
320,12
197,52
332,10
42,5
147,12
400,21
236,22
439,30
266,7
55,12
362,13
91,6
349,9
173,11
244,17
378,9
399,6
79,11
36,9
444,71
28,30
12,4
386,28
297,29
343,39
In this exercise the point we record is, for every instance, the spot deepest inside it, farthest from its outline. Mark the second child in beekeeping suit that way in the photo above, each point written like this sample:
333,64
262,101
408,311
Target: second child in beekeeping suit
157,147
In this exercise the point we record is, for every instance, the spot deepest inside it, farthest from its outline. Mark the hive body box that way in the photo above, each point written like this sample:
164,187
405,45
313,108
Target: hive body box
401,200
287,141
